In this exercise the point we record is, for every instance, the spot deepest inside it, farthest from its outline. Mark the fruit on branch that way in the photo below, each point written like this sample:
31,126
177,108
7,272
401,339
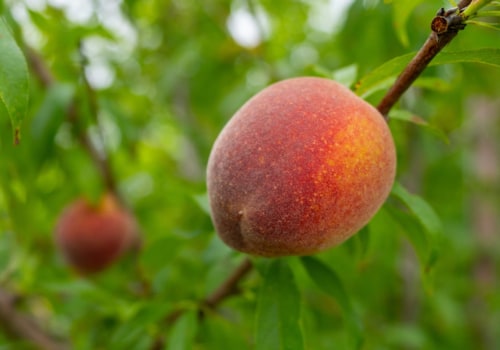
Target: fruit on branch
92,237
301,167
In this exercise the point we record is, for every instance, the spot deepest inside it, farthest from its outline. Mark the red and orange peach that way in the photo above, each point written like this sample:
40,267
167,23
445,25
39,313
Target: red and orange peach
300,168
92,237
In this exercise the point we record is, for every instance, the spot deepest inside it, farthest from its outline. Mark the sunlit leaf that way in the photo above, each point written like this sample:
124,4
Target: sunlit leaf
371,82
346,75
484,25
489,13
14,91
433,83
278,321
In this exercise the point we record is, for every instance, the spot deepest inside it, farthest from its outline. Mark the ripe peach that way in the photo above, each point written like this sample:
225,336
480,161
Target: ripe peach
301,167
92,237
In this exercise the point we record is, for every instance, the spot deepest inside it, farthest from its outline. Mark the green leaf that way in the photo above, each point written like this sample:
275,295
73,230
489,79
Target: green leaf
398,114
346,75
327,279
278,321
428,250
49,118
489,56
434,83
491,13
376,79
220,332
182,335
484,25
14,90
420,208
402,11
159,253
380,75
362,240
202,201
420,240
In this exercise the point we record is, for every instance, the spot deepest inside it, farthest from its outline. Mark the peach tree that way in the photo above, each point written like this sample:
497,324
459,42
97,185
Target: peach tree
121,103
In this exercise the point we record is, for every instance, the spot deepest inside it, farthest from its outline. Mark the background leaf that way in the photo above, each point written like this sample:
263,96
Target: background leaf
183,332
420,208
327,280
402,11
165,77
379,76
13,79
278,321
398,114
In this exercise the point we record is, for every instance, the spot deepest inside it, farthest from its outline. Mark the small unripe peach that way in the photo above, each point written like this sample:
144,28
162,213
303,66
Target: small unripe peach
301,167
92,237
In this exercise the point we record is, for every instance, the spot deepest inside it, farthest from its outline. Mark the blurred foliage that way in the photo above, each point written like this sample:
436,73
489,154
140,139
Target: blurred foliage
166,76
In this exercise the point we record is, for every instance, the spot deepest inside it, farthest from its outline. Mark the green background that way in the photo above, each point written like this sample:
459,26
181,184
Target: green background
165,77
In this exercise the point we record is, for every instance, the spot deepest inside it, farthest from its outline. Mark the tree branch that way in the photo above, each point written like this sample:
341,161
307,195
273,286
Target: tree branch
38,67
24,327
47,80
230,286
445,26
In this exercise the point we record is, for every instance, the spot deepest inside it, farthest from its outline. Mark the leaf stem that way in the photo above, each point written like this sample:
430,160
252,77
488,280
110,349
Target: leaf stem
474,7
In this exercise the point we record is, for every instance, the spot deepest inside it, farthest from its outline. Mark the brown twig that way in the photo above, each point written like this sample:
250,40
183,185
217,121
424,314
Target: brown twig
24,327
11,320
47,80
230,285
445,26
228,288
39,68
464,3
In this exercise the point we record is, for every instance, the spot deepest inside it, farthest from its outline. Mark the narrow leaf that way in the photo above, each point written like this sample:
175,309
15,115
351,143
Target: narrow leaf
326,279
402,11
491,13
346,75
202,201
420,208
489,56
420,239
48,119
484,25
373,80
398,114
278,321
183,332
13,79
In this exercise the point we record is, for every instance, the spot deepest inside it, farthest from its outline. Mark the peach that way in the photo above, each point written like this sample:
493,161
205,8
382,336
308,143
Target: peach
301,167
92,237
